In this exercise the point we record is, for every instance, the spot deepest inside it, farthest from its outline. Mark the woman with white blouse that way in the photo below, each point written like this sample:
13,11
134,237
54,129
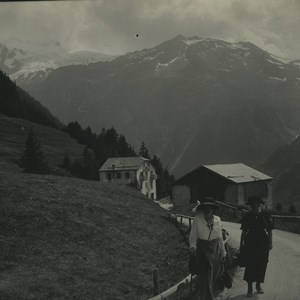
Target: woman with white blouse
206,242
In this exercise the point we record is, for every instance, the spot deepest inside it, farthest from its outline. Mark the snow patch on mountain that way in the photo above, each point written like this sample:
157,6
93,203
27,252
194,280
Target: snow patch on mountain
173,63
191,41
28,71
278,78
23,60
281,59
10,63
275,62
147,58
166,64
237,46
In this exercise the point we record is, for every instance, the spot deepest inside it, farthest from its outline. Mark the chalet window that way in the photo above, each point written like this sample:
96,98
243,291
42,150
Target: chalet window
118,175
127,175
108,176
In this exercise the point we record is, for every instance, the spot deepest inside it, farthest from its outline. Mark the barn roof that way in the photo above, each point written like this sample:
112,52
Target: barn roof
237,173
122,163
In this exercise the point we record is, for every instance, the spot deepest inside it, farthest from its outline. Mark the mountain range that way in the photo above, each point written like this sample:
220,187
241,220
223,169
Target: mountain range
26,62
191,100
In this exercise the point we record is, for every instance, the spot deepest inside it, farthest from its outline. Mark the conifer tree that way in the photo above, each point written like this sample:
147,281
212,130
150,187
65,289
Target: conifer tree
144,151
165,179
33,160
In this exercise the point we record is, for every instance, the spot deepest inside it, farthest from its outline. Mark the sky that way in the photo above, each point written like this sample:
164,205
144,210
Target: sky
119,26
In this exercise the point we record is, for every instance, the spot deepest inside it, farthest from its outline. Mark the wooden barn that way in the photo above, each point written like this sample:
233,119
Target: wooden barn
127,170
229,183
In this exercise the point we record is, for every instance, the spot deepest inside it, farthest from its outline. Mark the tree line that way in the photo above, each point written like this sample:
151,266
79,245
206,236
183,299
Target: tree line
98,148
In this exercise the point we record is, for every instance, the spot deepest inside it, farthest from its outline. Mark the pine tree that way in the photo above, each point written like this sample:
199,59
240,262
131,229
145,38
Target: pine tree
144,151
75,131
164,179
33,160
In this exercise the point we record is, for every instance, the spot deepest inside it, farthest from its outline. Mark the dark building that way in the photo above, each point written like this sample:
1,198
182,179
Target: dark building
229,183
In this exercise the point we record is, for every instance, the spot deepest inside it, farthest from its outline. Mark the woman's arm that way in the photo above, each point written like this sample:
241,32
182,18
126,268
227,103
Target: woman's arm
242,238
223,250
270,239
193,235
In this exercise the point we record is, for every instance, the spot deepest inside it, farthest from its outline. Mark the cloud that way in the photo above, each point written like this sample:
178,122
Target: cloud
111,26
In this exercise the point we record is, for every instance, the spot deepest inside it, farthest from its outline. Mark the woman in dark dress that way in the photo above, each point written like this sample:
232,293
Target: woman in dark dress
256,242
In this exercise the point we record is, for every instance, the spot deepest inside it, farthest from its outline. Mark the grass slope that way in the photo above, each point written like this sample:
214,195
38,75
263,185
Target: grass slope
67,238
55,144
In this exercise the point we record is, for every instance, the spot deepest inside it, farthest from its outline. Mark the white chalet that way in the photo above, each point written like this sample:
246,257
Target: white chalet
126,170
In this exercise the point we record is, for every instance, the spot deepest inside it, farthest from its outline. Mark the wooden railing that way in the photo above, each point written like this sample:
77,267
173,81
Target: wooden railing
235,209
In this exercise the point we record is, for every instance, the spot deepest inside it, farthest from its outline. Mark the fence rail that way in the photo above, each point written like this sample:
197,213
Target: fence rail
183,284
282,218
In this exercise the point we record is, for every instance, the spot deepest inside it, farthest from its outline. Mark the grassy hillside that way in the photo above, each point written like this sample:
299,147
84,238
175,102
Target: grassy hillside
55,143
67,238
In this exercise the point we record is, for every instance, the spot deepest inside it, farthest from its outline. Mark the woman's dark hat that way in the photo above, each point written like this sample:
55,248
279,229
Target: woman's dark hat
207,201
253,199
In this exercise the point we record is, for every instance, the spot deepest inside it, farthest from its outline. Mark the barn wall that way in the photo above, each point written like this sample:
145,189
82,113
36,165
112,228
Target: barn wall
180,196
207,184
262,189
239,193
231,194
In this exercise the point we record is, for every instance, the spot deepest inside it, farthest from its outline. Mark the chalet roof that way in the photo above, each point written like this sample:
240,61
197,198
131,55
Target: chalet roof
122,163
237,173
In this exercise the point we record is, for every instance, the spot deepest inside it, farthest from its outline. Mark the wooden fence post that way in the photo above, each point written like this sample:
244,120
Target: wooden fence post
234,212
156,288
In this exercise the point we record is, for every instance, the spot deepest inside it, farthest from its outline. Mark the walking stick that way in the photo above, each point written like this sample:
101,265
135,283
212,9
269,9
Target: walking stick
191,286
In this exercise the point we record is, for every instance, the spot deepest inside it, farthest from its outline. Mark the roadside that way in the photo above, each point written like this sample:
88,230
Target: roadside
282,278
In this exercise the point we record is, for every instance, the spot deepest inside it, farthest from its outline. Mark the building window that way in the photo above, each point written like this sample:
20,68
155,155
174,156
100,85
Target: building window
127,175
118,175
108,176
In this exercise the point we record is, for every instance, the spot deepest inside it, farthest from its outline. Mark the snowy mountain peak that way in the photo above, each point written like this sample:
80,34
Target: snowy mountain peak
23,61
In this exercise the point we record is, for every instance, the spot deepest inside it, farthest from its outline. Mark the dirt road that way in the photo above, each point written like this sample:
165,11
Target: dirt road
282,280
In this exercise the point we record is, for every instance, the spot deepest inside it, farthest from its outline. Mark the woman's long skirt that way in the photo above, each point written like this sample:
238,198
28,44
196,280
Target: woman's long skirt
208,275
257,249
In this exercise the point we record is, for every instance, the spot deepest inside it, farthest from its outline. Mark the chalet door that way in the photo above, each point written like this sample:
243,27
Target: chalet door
240,194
